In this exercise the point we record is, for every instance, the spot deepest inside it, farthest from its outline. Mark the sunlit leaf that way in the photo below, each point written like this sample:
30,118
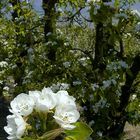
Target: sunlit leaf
80,132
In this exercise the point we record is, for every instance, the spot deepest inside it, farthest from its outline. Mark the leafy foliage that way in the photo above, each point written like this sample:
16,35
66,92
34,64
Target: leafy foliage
82,131
95,77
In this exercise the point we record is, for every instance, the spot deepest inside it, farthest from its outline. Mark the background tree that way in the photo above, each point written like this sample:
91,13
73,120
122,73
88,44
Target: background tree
95,56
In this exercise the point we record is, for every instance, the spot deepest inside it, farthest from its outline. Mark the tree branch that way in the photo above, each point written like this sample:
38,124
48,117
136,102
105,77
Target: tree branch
126,89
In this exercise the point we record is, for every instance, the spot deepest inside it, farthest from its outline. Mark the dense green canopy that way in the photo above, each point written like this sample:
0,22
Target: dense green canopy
95,56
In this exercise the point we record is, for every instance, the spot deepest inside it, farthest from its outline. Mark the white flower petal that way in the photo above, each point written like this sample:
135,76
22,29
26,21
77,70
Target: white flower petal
65,115
46,101
64,98
22,104
15,127
68,126
34,94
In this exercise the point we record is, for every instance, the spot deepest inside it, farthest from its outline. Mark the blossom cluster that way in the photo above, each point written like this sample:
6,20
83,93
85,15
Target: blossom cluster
3,64
88,1
116,65
46,101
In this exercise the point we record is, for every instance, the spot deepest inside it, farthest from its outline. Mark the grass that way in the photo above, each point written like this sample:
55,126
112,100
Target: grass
131,132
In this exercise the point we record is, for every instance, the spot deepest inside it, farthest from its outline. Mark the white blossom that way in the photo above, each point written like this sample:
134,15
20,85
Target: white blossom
99,133
15,127
46,100
78,82
94,86
6,88
22,104
63,98
134,96
116,65
3,64
102,103
30,51
34,95
113,81
88,1
65,116
83,61
27,1
122,15
60,10
115,21
49,33
59,31
137,27
66,44
106,84
56,87
64,86
123,64
59,86
51,43
66,64
118,93
136,13
91,123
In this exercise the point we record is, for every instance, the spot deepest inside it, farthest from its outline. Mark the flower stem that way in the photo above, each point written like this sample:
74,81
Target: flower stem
50,135
43,119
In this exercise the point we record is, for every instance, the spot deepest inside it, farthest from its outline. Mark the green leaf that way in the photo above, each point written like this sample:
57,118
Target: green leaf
50,135
26,138
129,72
117,3
80,132
68,138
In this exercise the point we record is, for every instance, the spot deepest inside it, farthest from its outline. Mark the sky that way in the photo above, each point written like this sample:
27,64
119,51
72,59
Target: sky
38,6
136,6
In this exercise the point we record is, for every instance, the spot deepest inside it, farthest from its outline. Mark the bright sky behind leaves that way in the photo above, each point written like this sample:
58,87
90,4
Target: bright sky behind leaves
38,6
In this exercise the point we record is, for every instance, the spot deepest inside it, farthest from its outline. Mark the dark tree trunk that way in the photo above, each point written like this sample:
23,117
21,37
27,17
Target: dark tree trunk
101,50
127,88
3,113
117,128
102,45
49,7
99,44
50,21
